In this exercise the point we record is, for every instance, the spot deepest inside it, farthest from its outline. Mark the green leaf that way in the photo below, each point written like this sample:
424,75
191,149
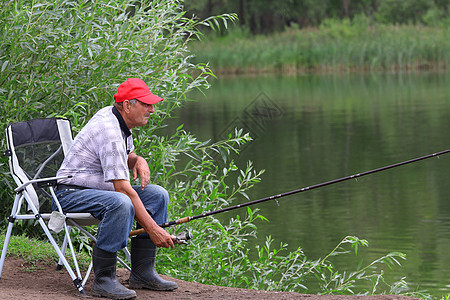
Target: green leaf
4,65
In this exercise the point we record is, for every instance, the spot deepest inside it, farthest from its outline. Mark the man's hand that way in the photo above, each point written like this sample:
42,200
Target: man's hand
141,168
158,235
161,238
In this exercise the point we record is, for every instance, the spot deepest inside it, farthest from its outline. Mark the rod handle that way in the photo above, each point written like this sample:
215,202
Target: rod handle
167,224
136,232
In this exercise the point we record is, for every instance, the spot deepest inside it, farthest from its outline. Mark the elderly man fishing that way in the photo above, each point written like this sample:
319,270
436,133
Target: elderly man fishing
99,161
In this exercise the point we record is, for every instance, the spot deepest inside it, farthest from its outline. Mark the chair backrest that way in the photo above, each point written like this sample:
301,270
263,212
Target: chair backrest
37,148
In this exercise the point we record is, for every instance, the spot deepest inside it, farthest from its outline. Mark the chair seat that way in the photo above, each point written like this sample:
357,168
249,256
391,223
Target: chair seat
82,219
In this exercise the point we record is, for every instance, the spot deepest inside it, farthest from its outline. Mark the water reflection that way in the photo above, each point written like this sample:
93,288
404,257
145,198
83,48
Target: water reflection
327,127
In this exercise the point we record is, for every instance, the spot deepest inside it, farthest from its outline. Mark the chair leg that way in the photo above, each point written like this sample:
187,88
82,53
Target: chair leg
67,242
5,246
128,258
15,210
88,272
124,264
63,250
76,280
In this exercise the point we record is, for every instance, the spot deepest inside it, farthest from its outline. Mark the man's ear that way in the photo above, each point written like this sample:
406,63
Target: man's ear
126,106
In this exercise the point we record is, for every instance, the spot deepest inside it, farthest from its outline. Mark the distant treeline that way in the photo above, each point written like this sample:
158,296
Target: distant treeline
264,16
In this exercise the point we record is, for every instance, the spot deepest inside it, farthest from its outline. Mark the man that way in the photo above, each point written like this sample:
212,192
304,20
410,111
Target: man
99,161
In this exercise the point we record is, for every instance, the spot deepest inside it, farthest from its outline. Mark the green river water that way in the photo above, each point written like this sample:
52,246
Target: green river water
314,128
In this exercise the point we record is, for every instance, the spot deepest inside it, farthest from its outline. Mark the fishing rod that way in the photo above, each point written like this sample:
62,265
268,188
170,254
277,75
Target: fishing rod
274,197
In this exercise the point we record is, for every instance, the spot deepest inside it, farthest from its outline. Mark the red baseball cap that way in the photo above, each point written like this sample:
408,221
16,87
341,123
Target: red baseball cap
135,88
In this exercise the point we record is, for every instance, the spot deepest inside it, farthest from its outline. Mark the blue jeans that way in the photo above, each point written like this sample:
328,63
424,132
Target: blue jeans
115,211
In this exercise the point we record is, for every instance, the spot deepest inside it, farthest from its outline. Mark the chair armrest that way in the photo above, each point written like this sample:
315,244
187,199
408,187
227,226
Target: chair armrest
42,181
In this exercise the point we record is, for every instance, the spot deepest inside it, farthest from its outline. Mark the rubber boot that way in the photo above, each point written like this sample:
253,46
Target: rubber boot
105,280
143,274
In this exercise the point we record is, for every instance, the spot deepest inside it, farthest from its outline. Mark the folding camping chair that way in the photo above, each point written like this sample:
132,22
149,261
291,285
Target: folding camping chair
36,149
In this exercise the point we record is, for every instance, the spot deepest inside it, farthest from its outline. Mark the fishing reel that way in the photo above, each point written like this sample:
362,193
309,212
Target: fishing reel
182,237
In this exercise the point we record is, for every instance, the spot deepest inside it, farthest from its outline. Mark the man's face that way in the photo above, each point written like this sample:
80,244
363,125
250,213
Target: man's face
139,114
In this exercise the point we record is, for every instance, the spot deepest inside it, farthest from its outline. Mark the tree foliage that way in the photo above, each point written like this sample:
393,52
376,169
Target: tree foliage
262,16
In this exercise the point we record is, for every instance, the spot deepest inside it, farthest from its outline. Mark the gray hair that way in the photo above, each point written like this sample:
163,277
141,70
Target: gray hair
119,105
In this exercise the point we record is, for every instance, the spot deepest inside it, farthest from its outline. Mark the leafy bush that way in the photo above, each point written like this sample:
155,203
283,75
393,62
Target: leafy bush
66,58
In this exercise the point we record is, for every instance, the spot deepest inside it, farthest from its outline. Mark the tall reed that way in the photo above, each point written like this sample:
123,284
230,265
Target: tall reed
337,45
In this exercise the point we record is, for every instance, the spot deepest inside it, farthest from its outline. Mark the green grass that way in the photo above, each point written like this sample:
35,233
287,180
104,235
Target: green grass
35,251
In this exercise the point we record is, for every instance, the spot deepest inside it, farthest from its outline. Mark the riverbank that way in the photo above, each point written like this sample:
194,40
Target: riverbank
41,281
335,46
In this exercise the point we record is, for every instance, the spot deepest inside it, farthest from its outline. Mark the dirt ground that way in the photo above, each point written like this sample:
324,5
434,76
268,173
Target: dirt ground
41,282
